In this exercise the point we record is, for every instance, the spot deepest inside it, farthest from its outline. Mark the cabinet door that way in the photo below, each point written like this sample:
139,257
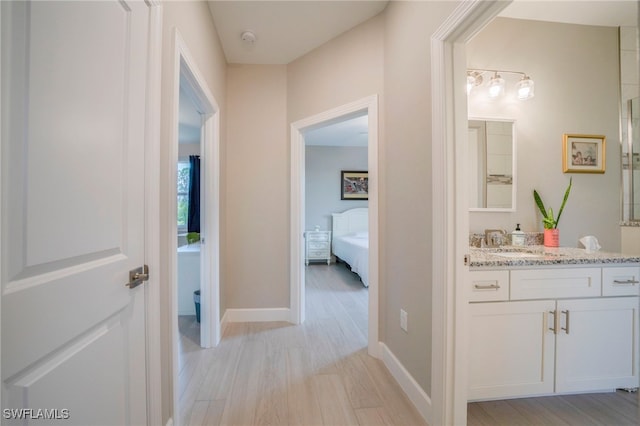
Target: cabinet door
597,346
512,349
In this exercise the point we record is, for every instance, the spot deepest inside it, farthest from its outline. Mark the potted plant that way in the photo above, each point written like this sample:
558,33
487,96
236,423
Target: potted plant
551,231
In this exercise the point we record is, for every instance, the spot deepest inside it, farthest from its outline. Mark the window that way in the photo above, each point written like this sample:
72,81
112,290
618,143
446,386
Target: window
183,194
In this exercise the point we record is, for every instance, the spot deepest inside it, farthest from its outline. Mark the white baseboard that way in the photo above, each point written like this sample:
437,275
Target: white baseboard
416,395
256,315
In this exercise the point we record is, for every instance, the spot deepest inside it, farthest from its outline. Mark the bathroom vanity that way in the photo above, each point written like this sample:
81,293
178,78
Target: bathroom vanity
552,321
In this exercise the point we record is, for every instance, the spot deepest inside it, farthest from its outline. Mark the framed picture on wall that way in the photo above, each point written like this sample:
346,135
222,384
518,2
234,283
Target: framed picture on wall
583,153
354,185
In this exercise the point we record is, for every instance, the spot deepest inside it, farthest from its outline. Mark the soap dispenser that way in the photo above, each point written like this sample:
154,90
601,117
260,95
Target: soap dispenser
517,237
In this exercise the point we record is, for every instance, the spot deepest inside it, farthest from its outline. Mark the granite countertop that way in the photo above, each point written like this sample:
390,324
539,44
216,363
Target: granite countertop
510,256
633,223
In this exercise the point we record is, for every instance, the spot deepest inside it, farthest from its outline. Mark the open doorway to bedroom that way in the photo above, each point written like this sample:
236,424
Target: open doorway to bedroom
361,178
336,205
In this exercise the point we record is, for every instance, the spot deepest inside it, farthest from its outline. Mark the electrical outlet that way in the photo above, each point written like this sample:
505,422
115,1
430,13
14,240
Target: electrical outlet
403,320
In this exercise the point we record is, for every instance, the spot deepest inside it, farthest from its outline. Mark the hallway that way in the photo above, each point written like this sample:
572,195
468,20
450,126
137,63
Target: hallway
279,374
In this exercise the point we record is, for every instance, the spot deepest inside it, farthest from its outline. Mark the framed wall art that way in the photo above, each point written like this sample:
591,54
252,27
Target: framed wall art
583,153
354,185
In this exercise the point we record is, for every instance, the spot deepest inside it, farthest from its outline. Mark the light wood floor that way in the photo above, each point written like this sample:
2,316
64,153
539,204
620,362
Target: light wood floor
608,409
276,373
319,373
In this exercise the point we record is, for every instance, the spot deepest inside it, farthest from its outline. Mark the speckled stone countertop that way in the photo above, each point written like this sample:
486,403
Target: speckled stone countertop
634,223
496,258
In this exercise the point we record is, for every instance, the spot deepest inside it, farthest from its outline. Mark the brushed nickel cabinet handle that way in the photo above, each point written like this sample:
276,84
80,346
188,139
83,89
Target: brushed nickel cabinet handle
626,282
486,287
566,327
555,322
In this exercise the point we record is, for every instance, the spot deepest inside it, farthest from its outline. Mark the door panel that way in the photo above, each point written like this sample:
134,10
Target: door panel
600,350
512,349
61,381
73,85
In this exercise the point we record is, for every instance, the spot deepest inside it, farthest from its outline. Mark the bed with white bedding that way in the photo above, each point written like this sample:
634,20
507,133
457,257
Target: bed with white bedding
350,240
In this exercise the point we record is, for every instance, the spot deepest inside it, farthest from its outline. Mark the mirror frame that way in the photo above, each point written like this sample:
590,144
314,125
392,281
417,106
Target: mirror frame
628,158
514,167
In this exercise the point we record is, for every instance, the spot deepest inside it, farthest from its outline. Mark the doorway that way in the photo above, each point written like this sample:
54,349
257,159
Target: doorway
336,193
450,213
189,84
189,260
368,106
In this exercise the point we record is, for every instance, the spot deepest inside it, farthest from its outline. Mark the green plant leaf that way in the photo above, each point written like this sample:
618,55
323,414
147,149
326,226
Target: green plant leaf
548,219
564,201
539,203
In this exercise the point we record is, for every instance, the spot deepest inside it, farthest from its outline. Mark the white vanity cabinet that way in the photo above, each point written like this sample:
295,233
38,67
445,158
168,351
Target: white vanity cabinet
561,330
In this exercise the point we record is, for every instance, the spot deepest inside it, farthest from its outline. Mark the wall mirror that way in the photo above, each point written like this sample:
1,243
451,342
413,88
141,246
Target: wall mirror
492,169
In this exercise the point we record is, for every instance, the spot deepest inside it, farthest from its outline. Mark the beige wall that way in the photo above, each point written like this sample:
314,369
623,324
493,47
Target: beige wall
407,248
194,22
257,187
575,68
343,70
262,101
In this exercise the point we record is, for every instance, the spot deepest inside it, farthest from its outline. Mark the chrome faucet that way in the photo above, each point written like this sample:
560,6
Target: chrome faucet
494,237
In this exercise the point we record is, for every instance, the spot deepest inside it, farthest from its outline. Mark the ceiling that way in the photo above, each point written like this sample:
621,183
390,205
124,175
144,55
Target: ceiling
350,131
286,30
592,12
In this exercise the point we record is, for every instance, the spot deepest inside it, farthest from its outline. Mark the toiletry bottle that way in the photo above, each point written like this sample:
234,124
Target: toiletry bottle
517,237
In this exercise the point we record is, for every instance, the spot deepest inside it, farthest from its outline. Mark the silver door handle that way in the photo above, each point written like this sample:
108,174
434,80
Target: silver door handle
138,276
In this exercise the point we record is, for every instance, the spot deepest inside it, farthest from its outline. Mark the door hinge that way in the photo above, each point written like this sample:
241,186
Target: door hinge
138,276
467,259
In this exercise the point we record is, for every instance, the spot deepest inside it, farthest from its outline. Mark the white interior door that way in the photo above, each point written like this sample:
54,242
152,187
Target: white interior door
73,109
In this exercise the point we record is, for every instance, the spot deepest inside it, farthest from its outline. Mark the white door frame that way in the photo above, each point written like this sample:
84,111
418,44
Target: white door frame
297,276
152,215
196,86
450,207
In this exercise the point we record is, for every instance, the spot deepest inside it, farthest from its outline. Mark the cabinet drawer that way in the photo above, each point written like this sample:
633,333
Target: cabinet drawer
621,281
318,245
318,254
318,236
489,286
555,283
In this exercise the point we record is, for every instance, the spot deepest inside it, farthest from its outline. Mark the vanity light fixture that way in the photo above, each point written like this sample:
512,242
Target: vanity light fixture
497,84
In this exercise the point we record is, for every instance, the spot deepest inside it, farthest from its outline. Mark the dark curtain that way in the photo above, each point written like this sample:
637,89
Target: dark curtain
193,222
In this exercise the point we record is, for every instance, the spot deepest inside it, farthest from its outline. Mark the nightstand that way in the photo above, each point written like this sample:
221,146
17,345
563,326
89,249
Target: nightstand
318,246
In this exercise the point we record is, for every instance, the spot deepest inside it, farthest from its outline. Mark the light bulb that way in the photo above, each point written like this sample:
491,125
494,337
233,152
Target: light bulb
496,86
471,82
525,88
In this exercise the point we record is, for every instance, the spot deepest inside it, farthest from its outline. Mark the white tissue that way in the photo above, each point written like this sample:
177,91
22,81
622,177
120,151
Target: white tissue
590,243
